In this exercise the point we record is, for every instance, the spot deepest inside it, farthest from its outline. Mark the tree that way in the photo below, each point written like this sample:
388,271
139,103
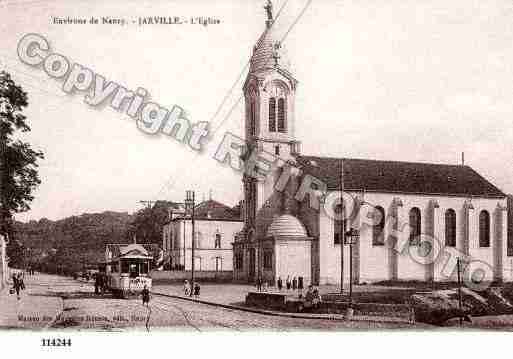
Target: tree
148,222
18,161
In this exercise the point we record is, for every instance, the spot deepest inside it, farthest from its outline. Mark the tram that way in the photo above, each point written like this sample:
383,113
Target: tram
127,269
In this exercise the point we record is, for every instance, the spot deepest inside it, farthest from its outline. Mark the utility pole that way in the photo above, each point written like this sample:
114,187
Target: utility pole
190,202
193,243
458,264
342,225
351,271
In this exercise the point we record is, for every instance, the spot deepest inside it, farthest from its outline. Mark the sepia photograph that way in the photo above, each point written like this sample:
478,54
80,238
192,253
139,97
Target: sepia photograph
255,166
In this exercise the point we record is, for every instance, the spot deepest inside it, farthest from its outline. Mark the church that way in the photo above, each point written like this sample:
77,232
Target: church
413,220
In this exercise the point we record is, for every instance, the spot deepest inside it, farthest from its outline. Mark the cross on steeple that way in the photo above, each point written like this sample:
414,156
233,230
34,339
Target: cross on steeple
269,9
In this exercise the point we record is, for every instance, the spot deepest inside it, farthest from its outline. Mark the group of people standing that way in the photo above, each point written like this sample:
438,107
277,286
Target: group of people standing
194,287
295,283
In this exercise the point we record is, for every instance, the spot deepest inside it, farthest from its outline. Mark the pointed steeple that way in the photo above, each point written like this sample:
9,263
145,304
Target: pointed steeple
269,9
269,53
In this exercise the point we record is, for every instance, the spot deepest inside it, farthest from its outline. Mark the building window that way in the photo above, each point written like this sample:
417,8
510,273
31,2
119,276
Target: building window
253,199
281,115
239,261
277,150
450,228
272,114
252,116
378,230
217,243
484,229
268,260
337,224
415,226
125,267
198,239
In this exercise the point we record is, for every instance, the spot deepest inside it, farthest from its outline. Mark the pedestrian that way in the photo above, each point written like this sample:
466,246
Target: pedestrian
97,284
259,284
186,288
16,285
287,283
197,289
280,284
103,283
294,283
300,283
145,293
21,281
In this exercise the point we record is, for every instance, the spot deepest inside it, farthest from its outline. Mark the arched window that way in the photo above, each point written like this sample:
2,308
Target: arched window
198,239
253,201
272,114
252,117
268,260
217,243
281,115
484,229
450,228
415,226
378,229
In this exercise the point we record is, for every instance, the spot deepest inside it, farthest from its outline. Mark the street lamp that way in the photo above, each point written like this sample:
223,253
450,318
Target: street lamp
189,206
351,238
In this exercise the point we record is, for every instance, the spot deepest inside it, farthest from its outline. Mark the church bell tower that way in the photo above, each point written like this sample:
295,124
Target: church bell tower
269,96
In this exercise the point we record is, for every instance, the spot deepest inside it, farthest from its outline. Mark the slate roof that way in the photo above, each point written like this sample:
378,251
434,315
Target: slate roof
399,177
213,210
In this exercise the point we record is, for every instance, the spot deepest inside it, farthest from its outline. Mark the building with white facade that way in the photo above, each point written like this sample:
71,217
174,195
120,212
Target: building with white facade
414,219
215,227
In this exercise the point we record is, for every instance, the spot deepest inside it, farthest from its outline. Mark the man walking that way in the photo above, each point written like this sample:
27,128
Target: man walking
145,293
16,285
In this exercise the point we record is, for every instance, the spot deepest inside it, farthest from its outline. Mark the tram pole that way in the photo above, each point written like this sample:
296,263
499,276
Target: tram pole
189,202
342,213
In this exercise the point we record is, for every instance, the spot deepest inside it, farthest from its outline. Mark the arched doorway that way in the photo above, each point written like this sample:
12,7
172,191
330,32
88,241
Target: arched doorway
252,264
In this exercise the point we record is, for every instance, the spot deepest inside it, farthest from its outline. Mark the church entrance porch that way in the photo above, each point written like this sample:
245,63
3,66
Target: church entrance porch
293,258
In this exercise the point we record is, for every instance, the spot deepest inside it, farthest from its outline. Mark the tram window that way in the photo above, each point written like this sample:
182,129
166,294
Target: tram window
144,268
134,271
124,267
114,268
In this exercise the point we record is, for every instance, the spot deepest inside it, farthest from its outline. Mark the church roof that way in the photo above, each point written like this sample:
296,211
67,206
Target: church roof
269,52
286,225
399,177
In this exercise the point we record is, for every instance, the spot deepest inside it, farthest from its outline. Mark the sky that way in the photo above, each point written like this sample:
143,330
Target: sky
398,80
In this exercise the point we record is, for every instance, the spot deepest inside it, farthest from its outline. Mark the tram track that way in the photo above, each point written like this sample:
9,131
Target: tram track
164,306
188,319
